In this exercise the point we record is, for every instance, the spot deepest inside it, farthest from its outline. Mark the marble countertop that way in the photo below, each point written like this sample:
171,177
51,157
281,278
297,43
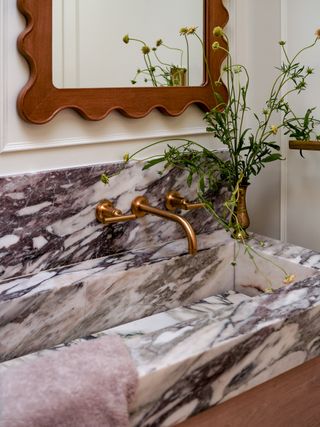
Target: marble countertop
213,348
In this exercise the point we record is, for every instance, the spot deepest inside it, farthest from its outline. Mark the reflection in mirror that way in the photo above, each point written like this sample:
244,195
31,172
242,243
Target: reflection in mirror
89,51
40,100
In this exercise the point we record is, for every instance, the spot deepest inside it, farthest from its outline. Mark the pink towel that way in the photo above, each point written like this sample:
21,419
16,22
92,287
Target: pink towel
87,385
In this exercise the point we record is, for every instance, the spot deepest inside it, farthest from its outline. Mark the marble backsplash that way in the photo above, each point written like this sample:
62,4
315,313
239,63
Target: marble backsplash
47,219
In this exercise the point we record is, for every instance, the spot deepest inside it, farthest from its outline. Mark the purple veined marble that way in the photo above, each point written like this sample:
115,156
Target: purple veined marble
64,277
47,219
202,353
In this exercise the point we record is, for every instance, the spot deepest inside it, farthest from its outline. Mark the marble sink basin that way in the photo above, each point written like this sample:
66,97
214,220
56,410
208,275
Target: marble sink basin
200,329
57,306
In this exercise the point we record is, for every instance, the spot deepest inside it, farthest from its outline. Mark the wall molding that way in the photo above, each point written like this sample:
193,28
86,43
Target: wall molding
115,137
3,72
233,7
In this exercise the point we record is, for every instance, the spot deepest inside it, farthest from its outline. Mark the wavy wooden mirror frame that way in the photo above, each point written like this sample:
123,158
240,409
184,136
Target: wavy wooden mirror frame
39,101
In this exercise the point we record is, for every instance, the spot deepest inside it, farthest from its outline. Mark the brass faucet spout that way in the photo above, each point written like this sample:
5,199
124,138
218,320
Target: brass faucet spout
140,207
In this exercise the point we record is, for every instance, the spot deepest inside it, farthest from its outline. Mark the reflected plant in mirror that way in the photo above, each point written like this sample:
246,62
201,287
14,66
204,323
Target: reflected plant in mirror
157,70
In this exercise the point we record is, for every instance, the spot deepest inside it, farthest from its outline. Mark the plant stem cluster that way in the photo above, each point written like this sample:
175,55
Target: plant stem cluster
249,149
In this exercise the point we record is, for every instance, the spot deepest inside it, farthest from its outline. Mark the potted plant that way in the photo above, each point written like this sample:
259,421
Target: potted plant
249,150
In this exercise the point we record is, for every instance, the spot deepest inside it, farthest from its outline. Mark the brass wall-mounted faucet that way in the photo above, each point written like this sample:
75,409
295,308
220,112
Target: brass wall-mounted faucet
106,213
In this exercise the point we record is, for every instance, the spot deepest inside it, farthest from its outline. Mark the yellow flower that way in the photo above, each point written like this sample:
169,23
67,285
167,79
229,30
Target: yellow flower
274,129
145,49
126,157
218,32
268,290
192,30
289,278
215,45
183,31
186,31
317,33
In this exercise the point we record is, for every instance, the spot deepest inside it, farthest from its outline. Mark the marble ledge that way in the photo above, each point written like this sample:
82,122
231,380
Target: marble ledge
283,250
13,288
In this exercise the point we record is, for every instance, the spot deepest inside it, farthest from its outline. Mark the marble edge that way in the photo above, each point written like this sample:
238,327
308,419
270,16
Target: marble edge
116,262
284,250
252,307
266,245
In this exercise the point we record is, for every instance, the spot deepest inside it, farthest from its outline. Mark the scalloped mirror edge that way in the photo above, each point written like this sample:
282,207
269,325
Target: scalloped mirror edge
39,101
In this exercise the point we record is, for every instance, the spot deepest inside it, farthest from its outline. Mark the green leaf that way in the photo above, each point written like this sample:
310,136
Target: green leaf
153,162
274,146
272,157
105,178
189,179
202,184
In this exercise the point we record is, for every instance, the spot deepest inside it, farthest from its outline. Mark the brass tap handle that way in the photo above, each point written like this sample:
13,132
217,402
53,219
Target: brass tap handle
175,201
106,213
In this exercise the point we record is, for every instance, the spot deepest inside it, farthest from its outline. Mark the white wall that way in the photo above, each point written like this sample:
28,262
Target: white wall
71,141
258,31
302,199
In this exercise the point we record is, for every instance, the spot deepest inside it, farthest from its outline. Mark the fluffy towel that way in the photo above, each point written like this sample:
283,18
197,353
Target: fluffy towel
87,385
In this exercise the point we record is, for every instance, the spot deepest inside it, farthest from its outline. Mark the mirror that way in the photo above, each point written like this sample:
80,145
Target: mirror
92,54
62,77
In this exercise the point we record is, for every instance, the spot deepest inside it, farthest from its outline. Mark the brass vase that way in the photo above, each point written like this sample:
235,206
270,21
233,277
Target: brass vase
178,76
243,220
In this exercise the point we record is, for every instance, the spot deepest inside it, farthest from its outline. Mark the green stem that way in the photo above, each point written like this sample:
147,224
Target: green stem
188,60
163,141
159,60
207,66
177,49
150,67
